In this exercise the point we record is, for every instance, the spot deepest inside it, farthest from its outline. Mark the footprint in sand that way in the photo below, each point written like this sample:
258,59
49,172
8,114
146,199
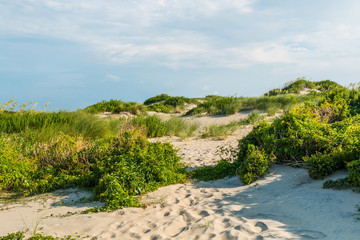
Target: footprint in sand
188,217
204,213
227,223
262,225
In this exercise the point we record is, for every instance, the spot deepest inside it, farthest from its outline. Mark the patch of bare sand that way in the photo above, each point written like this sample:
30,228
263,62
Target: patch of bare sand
286,204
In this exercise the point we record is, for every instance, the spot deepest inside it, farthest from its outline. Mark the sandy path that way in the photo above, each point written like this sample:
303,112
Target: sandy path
284,205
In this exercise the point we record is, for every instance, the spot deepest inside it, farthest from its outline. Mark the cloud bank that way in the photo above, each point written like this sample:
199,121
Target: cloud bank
184,33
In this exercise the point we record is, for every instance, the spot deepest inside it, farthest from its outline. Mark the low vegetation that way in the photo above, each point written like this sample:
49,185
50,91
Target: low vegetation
41,152
321,137
44,151
217,131
270,104
116,106
20,235
166,104
302,84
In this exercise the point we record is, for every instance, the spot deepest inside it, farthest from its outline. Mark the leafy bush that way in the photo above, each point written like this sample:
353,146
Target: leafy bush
255,165
321,165
116,106
354,172
116,167
301,83
321,137
231,105
177,101
156,99
222,169
15,170
157,107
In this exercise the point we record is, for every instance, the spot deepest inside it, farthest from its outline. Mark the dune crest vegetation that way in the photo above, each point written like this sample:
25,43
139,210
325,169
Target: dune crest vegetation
319,136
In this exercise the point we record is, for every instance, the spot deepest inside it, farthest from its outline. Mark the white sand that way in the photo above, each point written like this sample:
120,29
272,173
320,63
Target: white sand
286,204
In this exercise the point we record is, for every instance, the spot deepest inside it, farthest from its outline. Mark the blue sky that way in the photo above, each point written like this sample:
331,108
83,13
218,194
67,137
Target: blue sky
76,53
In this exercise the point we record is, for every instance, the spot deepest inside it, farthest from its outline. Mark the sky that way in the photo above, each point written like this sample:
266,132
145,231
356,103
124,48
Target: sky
76,53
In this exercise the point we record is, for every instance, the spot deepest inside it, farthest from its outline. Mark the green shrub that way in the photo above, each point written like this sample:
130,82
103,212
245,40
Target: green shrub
301,83
255,165
157,99
231,105
222,169
116,106
117,167
158,107
322,165
13,236
177,101
338,184
353,168
15,170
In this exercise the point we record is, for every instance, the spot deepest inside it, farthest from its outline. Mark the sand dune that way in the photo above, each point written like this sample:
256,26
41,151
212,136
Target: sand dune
286,204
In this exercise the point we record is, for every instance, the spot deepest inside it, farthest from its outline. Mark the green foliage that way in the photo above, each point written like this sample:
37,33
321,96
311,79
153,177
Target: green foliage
272,109
354,172
153,125
43,126
338,184
219,131
116,106
322,164
217,106
15,170
179,127
118,168
177,101
301,83
20,235
323,137
156,99
223,169
255,164
158,107
165,103
13,236
231,105
222,131
252,118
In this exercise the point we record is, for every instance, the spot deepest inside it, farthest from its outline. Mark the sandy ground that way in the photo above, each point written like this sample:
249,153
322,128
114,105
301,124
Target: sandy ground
286,204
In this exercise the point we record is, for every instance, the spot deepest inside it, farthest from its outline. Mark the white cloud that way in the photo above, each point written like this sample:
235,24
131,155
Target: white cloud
178,33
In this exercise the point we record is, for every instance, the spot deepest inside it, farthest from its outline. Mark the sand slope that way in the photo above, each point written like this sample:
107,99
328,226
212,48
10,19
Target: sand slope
284,205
